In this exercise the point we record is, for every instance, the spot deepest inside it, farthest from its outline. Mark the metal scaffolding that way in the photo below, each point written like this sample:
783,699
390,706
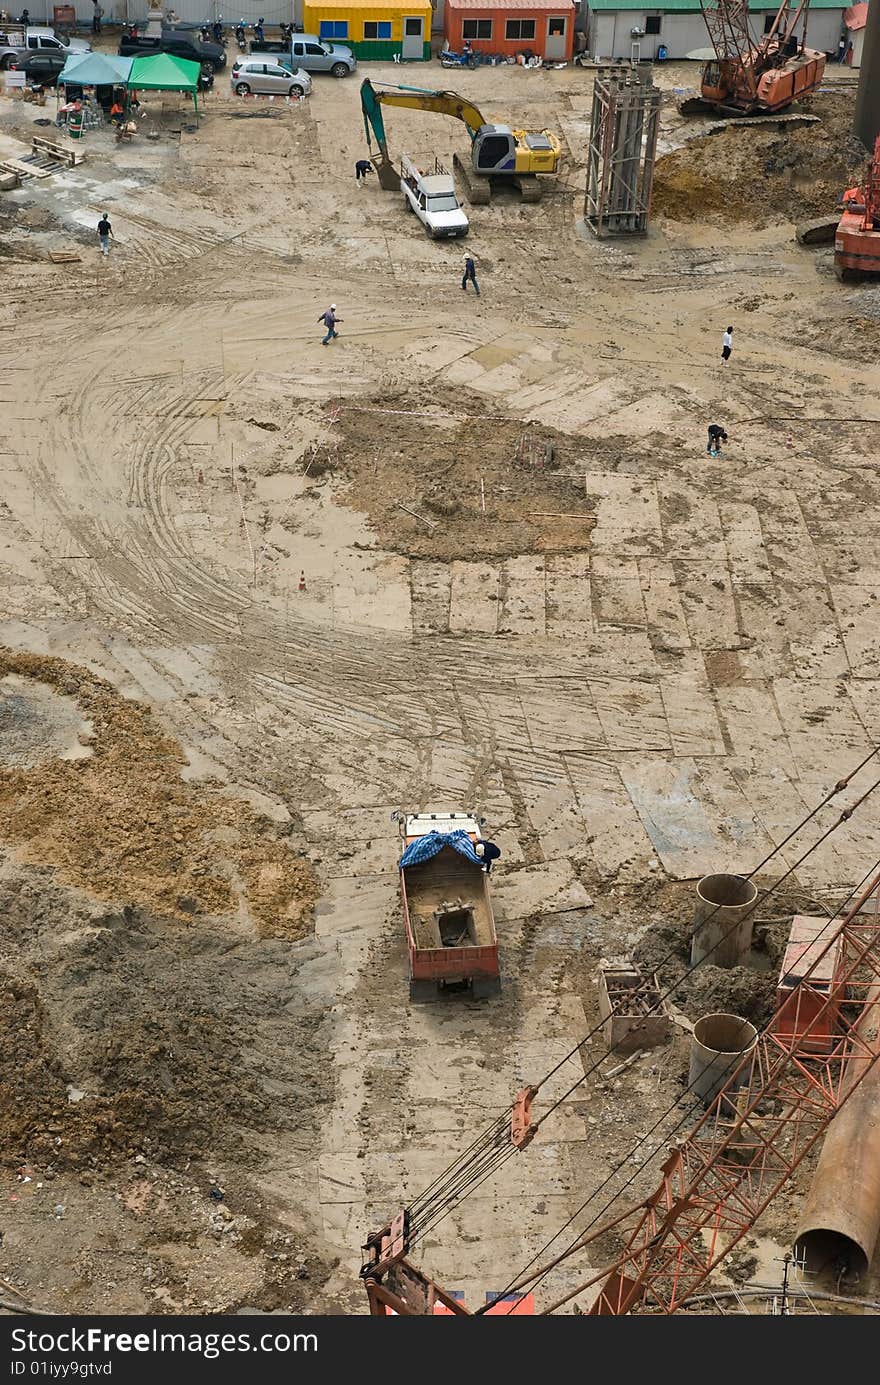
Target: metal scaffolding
623,141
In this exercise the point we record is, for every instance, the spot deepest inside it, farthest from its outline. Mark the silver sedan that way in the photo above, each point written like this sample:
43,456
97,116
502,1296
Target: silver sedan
267,78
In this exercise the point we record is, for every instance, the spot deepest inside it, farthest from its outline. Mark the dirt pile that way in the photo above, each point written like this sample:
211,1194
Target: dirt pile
393,455
125,827
764,175
121,1031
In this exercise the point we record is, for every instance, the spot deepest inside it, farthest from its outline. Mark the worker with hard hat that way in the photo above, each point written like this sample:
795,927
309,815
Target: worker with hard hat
330,320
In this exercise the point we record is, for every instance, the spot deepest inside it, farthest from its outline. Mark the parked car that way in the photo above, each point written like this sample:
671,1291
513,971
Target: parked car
180,45
15,40
266,78
314,55
40,69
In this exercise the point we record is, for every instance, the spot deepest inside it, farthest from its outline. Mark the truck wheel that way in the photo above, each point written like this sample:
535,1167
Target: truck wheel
484,990
242,89
339,70
422,992
8,61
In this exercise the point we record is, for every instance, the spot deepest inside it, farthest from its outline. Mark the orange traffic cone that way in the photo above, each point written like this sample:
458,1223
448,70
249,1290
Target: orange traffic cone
302,582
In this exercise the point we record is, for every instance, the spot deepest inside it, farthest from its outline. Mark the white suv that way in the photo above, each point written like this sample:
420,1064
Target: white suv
266,78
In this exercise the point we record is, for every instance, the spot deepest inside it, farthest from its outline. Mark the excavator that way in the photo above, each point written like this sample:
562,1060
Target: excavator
857,239
856,233
498,153
749,77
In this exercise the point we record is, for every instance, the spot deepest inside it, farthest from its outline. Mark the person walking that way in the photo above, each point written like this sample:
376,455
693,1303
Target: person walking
470,273
726,346
330,320
362,168
97,16
105,231
717,436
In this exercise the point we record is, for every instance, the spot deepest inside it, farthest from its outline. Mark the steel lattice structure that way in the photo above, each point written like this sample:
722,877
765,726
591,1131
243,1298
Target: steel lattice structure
718,1180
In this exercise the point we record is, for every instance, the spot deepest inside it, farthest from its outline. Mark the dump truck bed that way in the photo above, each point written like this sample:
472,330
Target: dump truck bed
447,910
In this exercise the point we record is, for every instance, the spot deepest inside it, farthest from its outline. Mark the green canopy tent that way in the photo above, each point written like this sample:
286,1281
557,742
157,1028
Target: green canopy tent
164,72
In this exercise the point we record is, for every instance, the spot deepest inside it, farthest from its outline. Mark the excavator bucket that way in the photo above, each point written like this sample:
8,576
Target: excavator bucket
389,175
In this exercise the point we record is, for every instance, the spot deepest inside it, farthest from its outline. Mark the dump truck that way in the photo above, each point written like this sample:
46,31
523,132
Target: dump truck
447,907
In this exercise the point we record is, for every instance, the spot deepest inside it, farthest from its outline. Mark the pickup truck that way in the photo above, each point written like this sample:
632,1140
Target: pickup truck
311,53
16,41
432,197
447,908
181,45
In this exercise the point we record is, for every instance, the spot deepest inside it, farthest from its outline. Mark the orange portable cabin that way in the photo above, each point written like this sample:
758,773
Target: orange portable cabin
511,26
798,1005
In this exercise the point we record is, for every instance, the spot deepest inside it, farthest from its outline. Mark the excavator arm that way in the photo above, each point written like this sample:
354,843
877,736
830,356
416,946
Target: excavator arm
418,99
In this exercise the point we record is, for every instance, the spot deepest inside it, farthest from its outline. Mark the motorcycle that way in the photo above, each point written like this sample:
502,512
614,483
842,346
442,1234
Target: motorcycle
448,58
259,32
241,36
205,33
217,32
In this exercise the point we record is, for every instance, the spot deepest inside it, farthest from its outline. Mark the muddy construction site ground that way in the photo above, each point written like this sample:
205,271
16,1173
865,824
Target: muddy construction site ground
528,591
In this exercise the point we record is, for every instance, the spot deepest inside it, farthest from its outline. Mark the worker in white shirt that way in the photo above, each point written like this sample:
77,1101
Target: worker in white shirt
726,346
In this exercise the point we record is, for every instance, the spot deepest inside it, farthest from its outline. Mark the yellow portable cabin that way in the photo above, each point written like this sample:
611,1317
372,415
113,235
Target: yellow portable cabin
373,31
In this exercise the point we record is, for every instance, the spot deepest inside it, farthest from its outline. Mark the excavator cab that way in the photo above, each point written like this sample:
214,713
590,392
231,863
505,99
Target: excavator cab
494,149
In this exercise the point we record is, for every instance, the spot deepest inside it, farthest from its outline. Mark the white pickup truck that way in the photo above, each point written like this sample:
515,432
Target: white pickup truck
432,197
16,42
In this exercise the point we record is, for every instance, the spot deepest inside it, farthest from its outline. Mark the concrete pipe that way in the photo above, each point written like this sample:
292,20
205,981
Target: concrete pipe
719,1043
723,920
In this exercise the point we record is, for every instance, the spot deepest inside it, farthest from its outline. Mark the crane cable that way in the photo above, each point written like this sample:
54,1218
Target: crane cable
520,1281
436,1202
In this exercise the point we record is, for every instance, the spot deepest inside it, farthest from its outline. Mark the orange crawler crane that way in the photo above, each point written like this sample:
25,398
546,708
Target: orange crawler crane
857,241
756,78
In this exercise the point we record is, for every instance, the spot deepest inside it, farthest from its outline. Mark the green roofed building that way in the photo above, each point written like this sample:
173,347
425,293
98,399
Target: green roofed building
677,30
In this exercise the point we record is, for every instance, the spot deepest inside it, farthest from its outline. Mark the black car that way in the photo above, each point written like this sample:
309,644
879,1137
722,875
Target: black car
180,45
40,69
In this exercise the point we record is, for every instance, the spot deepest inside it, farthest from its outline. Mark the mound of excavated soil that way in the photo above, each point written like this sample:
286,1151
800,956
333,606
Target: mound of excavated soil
764,174
123,826
532,477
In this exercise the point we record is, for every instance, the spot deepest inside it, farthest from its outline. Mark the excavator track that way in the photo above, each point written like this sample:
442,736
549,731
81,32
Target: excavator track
477,190
530,187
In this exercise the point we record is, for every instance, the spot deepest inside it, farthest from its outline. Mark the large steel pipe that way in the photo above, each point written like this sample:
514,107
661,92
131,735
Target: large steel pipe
723,920
840,1223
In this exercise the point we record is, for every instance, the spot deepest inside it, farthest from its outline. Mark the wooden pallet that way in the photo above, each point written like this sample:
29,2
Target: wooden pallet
26,169
57,153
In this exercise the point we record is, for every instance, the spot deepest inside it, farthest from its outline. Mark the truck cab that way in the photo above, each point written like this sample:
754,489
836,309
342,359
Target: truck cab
432,197
45,41
16,42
